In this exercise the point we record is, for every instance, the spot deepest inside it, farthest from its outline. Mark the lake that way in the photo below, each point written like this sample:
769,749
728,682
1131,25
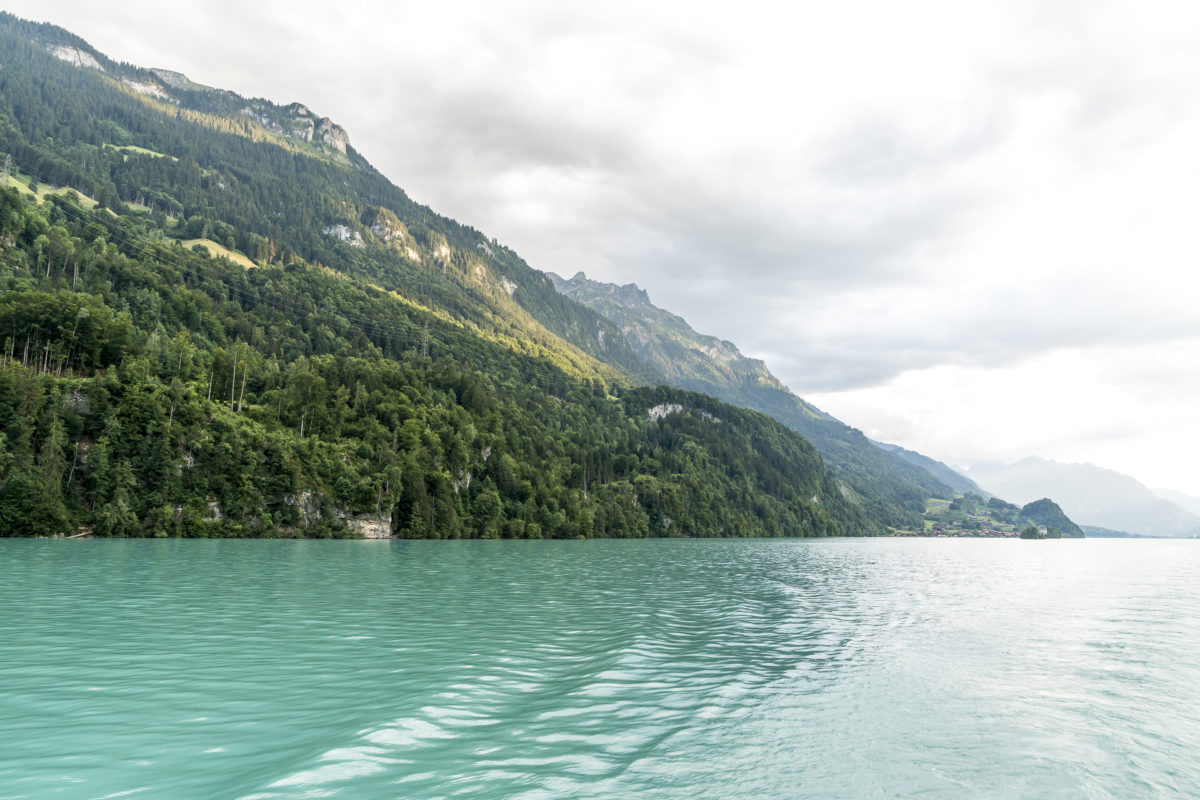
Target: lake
600,669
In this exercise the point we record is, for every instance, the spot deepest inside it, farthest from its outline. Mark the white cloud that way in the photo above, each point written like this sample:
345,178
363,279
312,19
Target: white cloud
1129,408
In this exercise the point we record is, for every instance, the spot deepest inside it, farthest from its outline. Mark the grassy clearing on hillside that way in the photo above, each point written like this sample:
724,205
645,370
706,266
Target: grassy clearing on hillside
219,251
127,149
21,183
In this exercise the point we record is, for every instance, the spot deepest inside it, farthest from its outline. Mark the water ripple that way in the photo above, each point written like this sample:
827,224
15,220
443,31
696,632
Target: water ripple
663,669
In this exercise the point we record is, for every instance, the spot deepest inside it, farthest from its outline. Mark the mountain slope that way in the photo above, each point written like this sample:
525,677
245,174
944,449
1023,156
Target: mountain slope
1187,502
667,344
343,385
272,182
951,477
1090,495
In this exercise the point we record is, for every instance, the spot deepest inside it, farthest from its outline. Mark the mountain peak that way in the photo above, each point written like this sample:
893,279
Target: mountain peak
628,295
176,80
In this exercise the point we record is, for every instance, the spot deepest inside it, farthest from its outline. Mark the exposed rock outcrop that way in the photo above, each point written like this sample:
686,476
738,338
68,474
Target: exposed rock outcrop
387,227
298,121
346,234
172,78
664,410
370,526
73,55
332,134
148,89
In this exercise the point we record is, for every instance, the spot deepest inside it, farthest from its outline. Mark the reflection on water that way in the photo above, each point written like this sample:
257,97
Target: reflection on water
665,669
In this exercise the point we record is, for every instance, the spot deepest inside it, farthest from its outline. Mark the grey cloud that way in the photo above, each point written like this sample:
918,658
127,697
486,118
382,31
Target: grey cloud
506,134
998,331
745,278
879,149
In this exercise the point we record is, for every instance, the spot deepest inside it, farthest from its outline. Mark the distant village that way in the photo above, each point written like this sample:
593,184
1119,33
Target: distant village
970,516
942,529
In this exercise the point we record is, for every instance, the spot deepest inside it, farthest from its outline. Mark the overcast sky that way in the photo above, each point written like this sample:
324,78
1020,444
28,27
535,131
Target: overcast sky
969,228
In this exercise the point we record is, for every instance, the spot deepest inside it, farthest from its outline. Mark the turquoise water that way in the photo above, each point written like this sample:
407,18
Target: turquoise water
603,669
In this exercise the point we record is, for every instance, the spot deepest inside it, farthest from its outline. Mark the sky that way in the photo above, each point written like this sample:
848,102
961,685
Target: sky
968,228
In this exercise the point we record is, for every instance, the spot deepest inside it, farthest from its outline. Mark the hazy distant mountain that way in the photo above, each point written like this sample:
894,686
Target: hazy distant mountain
1187,502
947,475
1097,532
668,345
1090,495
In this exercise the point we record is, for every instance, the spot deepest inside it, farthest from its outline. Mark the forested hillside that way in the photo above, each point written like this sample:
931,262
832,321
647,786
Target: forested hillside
147,389
218,319
1047,513
957,482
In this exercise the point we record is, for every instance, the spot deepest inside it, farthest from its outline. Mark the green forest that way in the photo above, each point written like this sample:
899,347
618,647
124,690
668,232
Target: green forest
148,389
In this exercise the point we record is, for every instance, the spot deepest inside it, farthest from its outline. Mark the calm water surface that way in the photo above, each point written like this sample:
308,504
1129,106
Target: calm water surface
604,669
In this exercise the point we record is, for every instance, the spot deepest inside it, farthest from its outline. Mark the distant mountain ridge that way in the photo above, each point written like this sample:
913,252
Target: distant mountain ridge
666,342
1187,502
688,359
1090,495
946,474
